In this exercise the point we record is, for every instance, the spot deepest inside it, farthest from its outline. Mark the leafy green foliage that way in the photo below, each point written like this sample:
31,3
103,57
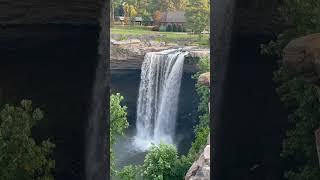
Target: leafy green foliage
204,94
159,161
300,97
169,28
303,103
118,123
198,15
20,156
200,140
202,129
130,172
181,166
304,16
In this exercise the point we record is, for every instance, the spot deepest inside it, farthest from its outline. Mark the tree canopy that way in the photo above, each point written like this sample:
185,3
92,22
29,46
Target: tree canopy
118,123
198,15
21,157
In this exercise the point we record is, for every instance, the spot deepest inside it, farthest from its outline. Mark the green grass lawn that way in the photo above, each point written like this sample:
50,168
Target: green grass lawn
168,36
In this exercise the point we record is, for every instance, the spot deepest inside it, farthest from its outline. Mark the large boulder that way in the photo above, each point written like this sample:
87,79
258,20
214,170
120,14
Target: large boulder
204,79
303,56
200,169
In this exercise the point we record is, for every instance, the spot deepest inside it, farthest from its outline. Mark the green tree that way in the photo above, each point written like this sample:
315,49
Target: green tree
303,18
300,97
132,13
130,172
197,15
118,123
126,10
303,103
20,156
202,129
180,4
114,4
159,161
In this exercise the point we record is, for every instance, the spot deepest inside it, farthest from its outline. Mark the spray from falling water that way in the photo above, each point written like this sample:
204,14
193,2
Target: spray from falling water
159,90
96,142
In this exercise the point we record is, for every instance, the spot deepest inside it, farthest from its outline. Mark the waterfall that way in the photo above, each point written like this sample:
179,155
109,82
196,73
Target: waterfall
159,90
97,166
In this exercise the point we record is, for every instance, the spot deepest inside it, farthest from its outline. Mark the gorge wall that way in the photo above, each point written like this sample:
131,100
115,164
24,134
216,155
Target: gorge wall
48,55
248,117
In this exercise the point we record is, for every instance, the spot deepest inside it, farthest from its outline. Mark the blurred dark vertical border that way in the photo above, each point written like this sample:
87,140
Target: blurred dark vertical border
221,24
49,54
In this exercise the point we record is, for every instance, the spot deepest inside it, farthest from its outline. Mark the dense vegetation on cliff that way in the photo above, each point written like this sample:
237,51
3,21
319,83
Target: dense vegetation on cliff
301,98
118,123
21,157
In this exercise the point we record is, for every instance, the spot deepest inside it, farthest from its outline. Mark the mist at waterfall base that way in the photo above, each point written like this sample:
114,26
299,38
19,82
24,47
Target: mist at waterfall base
176,117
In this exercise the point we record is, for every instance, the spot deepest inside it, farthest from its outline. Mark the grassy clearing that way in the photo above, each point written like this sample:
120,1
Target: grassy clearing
168,36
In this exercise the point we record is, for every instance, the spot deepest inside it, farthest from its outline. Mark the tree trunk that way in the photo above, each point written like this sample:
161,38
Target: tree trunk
112,14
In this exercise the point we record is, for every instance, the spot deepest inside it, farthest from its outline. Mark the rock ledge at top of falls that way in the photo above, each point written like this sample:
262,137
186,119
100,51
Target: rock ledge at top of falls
129,54
302,55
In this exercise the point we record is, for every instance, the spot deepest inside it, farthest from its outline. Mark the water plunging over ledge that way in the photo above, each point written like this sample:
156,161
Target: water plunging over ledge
158,97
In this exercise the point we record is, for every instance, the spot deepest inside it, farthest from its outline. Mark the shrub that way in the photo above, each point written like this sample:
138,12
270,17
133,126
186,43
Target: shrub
118,123
122,37
159,161
162,28
21,156
179,28
130,172
184,29
169,28
174,28
302,101
155,28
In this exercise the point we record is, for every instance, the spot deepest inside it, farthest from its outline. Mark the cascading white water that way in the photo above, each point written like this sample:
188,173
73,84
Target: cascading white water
159,90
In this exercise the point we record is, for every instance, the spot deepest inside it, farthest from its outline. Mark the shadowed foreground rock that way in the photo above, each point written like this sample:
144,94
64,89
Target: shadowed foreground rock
317,133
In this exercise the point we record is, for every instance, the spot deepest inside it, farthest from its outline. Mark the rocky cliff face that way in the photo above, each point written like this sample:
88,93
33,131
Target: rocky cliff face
129,54
200,169
48,55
